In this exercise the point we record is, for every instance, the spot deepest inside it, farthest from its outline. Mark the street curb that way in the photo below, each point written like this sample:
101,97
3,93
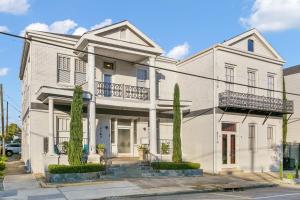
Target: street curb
190,192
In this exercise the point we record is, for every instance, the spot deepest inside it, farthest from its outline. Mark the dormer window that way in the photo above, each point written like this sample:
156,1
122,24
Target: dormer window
250,45
123,34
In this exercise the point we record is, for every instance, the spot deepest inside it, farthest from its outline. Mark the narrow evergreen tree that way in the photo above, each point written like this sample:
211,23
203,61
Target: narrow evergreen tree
177,155
76,133
284,119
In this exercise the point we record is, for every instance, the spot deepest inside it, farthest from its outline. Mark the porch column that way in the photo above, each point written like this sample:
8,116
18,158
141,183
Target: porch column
51,127
92,102
152,108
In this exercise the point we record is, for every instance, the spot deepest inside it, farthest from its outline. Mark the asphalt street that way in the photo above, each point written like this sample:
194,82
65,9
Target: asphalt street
276,193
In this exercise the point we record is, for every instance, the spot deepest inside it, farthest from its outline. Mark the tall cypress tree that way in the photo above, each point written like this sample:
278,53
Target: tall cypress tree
284,119
76,133
177,155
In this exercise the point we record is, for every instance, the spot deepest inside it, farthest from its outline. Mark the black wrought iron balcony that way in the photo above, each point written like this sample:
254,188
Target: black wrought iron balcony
250,102
122,91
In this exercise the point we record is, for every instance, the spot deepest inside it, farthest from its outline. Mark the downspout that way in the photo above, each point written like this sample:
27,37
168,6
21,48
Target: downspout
214,111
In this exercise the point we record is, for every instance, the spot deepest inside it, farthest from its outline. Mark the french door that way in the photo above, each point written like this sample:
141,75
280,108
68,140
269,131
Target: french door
228,150
107,85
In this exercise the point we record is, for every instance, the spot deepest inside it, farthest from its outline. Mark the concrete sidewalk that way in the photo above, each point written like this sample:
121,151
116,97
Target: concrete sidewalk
135,187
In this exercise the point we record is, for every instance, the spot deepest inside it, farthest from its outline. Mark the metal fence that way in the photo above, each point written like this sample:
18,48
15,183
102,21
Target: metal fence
291,155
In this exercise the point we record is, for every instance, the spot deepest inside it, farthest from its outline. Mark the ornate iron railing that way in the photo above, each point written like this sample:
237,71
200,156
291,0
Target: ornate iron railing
61,143
255,102
122,91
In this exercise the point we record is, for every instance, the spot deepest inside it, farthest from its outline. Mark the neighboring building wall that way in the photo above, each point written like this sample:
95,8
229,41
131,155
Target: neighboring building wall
292,86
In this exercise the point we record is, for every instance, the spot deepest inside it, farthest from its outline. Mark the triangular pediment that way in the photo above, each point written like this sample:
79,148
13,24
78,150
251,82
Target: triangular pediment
261,45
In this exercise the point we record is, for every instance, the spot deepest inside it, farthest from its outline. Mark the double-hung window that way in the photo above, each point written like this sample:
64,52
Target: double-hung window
63,69
270,136
229,78
250,45
251,81
251,137
271,79
80,72
142,76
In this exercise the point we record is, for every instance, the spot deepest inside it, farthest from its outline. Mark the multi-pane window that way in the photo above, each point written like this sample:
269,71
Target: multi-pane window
142,76
63,69
80,72
270,136
229,127
229,78
251,137
250,45
270,92
251,81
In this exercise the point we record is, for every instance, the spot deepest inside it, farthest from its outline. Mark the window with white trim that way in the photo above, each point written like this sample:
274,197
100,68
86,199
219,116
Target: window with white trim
251,137
80,72
270,79
270,136
63,69
229,78
142,76
251,81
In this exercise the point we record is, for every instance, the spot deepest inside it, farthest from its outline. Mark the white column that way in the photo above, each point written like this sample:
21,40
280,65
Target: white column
51,127
92,103
152,108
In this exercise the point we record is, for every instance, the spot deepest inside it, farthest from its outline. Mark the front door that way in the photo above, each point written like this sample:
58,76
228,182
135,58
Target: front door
107,85
124,144
228,150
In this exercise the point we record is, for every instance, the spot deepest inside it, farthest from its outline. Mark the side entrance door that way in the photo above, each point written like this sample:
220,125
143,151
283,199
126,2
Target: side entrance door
229,145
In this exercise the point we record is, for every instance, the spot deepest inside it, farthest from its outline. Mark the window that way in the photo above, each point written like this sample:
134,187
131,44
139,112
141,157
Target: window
124,122
251,137
108,65
250,45
158,77
80,72
142,76
251,81
231,127
270,92
229,78
135,132
63,69
270,136
112,130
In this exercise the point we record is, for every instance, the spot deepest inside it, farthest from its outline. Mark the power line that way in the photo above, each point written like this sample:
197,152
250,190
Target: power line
150,66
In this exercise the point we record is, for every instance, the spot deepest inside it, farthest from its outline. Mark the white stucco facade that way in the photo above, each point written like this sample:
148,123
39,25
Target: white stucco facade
127,103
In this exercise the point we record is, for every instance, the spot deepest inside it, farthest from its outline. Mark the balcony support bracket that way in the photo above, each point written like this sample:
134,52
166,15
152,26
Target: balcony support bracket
223,114
289,117
266,118
246,116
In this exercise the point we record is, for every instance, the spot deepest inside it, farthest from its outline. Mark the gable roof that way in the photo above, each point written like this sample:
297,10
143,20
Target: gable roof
249,33
291,70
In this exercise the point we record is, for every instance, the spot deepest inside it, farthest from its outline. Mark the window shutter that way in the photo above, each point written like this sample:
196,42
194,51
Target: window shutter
63,69
80,72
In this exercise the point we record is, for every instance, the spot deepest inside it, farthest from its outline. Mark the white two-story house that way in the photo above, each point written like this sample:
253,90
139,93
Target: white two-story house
127,103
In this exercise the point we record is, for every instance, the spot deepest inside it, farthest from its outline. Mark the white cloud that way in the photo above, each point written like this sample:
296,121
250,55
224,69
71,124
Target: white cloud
63,27
3,71
179,52
274,15
14,6
106,22
82,30
4,29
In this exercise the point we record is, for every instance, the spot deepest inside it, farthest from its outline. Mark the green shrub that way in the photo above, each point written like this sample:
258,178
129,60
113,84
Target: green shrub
2,165
165,148
174,166
290,176
3,158
83,168
1,174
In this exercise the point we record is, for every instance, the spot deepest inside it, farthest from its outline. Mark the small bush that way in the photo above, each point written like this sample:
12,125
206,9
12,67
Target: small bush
3,158
174,166
290,176
165,148
2,165
83,168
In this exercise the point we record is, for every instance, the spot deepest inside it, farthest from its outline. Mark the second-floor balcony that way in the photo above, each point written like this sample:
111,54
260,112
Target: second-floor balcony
122,91
250,102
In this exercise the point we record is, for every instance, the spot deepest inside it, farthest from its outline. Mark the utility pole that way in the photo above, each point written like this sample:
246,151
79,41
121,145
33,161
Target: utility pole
2,119
6,132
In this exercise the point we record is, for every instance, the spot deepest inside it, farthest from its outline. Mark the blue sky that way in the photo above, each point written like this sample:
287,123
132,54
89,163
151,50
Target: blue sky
180,27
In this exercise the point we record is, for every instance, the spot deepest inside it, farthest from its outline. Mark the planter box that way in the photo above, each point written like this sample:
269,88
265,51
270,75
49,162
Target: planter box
73,177
184,172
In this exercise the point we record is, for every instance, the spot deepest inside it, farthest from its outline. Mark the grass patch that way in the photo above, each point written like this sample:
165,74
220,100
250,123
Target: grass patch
83,168
174,166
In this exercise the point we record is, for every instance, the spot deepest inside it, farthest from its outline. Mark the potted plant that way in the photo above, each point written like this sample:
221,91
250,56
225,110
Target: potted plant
101,149
64,149
142,152
165,148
